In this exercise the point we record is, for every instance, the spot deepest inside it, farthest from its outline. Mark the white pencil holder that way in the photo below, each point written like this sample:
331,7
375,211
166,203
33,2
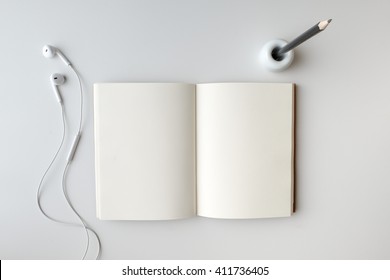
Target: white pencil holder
267,59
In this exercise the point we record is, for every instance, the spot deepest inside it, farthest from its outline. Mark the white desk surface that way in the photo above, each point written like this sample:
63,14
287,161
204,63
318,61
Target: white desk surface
343,121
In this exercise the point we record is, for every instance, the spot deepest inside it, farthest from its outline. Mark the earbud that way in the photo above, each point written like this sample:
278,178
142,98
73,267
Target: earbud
50,51
57,80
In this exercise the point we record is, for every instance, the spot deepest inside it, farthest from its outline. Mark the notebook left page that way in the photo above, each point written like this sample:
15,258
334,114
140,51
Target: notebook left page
144,151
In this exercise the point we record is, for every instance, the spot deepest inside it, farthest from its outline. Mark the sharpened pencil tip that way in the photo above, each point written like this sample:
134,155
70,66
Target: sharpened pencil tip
323,24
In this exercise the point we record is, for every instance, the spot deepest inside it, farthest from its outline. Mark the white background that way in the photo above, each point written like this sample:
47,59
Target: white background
343,121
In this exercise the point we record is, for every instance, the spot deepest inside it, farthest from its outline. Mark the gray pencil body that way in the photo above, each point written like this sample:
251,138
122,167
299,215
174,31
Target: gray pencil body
302,38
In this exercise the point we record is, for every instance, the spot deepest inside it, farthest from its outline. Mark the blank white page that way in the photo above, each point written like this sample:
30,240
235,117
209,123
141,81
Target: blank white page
245,150
145,151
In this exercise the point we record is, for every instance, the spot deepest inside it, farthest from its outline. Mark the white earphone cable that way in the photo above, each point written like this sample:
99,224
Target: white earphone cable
83,224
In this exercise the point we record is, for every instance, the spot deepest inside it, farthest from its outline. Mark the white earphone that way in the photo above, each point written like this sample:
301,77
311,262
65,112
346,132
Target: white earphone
57,80
50,52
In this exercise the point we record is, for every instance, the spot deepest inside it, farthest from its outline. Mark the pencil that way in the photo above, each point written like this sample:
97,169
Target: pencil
278,53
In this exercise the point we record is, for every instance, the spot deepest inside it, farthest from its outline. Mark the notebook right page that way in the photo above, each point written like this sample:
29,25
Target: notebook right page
245,150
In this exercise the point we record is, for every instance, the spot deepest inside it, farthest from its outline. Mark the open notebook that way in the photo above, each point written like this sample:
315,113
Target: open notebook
172,151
